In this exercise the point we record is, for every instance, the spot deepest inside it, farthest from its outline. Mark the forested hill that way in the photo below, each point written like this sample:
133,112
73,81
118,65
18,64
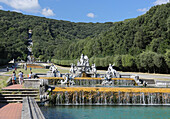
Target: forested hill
139,44
149,32
142,43
48,34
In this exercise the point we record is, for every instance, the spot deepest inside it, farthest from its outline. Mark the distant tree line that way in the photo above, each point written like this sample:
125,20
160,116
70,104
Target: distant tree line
144,62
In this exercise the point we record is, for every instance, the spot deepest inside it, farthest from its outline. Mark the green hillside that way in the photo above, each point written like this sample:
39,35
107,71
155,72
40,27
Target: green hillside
139,44
49,35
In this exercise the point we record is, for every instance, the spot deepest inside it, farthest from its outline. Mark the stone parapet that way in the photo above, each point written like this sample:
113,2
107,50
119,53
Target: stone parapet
30,109
31,83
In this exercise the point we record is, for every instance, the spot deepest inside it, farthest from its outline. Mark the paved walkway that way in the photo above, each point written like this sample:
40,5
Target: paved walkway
16,86
11,111
3,71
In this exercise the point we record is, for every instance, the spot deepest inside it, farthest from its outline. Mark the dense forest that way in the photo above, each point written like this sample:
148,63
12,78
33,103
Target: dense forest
49,35
138,44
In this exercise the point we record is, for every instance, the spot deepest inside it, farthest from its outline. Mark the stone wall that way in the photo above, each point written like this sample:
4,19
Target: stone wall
30,109
31,83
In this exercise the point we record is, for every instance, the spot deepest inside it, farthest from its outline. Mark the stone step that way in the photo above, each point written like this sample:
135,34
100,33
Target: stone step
23,89
19,95
14,95
13,98
14,101
11,101
16,92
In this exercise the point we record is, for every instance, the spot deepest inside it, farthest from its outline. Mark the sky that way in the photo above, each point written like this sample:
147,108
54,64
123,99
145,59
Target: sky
82,10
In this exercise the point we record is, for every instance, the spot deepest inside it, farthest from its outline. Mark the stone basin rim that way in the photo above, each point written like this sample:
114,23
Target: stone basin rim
111,89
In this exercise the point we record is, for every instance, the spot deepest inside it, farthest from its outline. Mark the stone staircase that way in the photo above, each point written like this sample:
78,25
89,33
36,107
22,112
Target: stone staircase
17,95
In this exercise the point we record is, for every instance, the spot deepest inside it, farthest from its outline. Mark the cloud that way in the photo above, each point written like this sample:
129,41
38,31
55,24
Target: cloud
24,5
17,11
159,2
47,12
142,10
1,8
91,15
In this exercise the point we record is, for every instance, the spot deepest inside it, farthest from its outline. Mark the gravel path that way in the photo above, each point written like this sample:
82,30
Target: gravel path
141,75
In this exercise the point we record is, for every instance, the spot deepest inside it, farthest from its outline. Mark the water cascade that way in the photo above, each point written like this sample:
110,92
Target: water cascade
111,96
91,82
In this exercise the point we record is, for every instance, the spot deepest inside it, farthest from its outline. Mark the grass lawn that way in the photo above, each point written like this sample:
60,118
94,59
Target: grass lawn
26,72
3,80
63,70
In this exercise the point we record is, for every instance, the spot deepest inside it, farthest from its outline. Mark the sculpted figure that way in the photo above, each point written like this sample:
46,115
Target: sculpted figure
111,71
65,80
83,66
68,80
107,80
53,69
82,59
72,68
78,63
93,68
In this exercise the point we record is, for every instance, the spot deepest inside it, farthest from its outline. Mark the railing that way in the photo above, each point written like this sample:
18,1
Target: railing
30,109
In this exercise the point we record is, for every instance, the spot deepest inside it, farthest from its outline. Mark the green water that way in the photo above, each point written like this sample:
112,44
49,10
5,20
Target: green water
106,112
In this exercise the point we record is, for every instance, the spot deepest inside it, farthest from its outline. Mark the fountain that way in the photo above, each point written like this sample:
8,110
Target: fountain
83,68
83,74
83,86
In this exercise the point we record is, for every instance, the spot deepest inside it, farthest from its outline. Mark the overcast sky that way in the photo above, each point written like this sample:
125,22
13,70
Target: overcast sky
82,10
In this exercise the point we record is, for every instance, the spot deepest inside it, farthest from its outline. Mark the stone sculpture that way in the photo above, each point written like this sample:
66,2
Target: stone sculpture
68,79
53,71
112,72
107,80
83,67
53,68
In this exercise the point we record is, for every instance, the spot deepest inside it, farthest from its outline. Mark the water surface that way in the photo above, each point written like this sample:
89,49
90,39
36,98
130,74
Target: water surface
106,112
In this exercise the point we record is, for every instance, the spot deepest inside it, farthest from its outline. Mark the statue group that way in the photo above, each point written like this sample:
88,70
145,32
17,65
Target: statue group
83,67
110,73
54,71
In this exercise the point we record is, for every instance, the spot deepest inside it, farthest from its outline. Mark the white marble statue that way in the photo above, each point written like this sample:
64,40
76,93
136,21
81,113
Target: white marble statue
67,80
71,81
83,66
94,68
53,69
107,80
72,68
111,71
82,59
78,63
